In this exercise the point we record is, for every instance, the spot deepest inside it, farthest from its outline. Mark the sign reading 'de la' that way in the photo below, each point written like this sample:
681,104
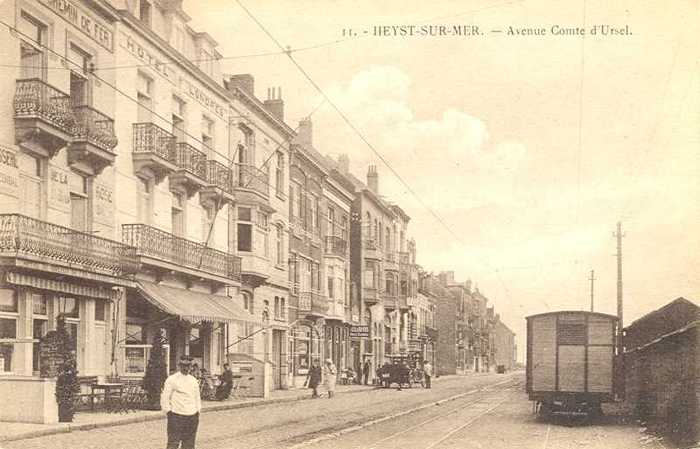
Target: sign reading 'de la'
94,28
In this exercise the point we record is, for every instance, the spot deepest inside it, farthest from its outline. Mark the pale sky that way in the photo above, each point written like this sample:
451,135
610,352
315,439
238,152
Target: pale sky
530,148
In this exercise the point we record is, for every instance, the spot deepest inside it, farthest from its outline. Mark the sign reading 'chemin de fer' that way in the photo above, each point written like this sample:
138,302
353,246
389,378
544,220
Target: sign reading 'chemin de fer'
89,25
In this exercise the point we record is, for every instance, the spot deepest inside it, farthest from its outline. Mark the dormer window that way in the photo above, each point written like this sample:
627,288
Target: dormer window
145,12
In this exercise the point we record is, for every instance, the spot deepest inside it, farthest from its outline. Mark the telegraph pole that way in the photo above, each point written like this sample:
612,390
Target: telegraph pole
619,236
592,279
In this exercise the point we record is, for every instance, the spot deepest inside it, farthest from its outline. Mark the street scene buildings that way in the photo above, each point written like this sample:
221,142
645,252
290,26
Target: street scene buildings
151,200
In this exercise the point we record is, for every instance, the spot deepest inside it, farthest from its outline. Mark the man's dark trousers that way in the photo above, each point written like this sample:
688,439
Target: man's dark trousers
427,381
182,428
366,374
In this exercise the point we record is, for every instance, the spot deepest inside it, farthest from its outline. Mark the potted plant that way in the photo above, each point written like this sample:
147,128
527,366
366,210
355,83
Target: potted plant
156,371
67,386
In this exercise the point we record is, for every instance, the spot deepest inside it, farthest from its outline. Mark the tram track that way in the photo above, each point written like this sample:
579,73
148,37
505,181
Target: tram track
482,395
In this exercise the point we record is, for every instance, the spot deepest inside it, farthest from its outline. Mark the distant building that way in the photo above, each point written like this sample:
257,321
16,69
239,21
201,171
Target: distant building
504,346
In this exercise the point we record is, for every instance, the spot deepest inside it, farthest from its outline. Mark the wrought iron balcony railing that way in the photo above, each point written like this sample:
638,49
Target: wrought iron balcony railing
313,302
220,176
336,246
94,127
161,245
24,236
151,138
36,98
191,160
251,177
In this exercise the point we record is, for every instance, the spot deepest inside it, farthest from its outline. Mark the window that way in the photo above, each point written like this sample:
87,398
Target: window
145,12
263,227
79,199
81,62
279,253
344,228
331,222
206,62
178,118
313,205
40,325
32,59
31,180
196,345
100,311
8,328
144,96
69,307
369,278
283,309
296,200
178,214
388,239
279,174
8,300
208,219
331,289
244,229
248,302
145,200
208,136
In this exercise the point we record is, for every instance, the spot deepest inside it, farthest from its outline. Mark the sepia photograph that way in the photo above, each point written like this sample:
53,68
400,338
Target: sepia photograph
349,224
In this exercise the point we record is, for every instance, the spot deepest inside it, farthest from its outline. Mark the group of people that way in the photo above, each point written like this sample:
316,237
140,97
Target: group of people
207,388
328,374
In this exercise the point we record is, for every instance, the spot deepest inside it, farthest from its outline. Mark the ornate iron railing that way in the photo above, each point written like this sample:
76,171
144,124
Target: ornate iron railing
94,127
220,176
36,98
336,245
251,177
152,242
21,235
151,138
191,160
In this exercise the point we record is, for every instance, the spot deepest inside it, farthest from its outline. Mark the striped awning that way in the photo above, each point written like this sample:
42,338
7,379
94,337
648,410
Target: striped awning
193,306
60,286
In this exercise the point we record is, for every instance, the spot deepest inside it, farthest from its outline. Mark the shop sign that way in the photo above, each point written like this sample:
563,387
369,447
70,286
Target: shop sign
9,182
92,27
361,331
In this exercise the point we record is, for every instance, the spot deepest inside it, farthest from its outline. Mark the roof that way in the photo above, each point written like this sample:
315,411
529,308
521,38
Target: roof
193,306
577,312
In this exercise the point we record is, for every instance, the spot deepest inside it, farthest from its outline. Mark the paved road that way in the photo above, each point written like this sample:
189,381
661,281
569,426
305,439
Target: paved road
489,411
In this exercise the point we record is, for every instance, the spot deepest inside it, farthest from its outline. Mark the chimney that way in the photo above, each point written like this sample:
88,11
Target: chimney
344,163
305,132
244,81
274,103
373,179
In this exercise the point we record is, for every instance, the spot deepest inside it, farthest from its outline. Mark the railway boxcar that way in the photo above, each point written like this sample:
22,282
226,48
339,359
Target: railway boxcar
571,361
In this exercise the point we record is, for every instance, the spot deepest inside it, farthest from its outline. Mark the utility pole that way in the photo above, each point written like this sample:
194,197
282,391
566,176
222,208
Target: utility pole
592,279
620,368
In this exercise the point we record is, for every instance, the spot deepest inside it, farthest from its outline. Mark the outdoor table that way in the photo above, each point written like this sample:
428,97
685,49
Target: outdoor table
108,388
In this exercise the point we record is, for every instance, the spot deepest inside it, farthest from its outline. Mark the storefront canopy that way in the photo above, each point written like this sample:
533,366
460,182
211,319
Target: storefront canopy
193,306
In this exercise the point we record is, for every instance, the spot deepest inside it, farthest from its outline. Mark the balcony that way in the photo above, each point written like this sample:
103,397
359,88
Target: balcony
154,150
220,183
44,119
335,246
93,140
390,261
255,269
371,250
313,304
163,252
391,302
191,171
253,184
37,245
370,295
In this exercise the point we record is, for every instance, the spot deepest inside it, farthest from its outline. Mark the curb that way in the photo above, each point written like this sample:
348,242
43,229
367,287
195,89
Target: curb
158,416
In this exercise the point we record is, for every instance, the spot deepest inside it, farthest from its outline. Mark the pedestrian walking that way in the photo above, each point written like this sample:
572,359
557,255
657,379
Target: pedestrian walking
365,370
181,401
427,373
330,373
313,378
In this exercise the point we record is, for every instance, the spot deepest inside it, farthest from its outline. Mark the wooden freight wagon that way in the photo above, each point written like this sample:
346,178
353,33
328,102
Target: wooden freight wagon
571,361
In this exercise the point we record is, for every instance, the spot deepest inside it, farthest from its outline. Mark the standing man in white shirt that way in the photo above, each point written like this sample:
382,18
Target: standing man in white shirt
181,401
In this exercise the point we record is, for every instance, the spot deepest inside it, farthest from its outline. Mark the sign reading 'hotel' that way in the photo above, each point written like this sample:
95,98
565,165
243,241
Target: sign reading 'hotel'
89,25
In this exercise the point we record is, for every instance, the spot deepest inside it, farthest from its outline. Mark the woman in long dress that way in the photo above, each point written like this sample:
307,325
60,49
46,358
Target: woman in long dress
330,373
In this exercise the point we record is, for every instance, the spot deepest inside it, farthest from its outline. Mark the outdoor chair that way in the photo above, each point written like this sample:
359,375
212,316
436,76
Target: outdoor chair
133,398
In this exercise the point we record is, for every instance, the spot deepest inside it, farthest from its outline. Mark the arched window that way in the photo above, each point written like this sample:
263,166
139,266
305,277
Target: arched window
388,239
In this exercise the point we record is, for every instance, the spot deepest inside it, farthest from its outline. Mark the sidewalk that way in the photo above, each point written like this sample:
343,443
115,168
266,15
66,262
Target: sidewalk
91,420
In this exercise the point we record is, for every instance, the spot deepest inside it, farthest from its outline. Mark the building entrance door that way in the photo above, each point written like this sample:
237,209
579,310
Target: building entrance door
277,342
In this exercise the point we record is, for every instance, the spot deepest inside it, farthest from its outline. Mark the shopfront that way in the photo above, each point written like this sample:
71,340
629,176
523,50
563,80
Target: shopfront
305,346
